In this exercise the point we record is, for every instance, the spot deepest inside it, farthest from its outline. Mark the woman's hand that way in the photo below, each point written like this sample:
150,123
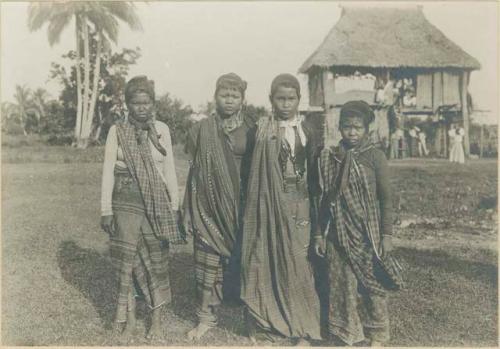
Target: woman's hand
180,223
319,246
185,222
108,224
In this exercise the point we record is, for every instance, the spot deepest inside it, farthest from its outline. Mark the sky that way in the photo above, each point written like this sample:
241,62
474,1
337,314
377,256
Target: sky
187,45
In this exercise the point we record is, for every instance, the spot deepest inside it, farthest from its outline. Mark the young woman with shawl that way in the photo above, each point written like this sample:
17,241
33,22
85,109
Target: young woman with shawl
356,227
140,204
277,283
221,147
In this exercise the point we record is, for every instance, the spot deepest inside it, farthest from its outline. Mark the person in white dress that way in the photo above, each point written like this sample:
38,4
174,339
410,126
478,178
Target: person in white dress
422,147
457,149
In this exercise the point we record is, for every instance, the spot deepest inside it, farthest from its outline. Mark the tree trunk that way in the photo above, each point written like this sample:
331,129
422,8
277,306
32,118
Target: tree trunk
24,119
481,141
82,142
87,129
465,112
97,127
79,103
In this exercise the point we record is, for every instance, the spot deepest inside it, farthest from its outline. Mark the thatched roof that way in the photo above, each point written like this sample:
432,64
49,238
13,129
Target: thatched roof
387,38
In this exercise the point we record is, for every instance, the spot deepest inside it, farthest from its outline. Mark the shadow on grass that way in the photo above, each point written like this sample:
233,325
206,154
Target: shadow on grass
181,270
184,298
93,275
485,271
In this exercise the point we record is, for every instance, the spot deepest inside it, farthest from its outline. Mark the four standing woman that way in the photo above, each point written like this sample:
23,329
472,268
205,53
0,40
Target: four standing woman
253,201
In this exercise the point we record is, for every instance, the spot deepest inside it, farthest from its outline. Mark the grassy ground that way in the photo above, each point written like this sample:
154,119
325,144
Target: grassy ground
58,287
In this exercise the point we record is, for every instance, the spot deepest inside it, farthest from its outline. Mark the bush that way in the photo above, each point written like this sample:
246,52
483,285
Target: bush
18,141
59,139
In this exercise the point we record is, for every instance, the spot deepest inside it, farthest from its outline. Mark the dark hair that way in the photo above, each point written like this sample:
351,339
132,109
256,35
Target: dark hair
285,80
359,109
231,81
139,84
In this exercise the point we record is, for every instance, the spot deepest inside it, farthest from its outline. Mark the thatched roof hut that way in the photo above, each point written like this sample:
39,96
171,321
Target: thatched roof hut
387,38
392,45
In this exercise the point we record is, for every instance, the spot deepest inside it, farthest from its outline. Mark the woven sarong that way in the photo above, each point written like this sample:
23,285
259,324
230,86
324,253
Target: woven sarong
277,282
136,252
208,271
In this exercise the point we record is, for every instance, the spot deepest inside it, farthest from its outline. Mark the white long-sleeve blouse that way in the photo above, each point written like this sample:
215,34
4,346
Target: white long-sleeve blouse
113,156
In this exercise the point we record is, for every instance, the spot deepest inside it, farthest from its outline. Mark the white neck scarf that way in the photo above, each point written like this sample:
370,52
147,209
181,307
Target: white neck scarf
289,132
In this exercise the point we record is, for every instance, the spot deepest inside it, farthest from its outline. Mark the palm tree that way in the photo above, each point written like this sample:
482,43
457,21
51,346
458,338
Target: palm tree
8,111
39,99
97,18
22,97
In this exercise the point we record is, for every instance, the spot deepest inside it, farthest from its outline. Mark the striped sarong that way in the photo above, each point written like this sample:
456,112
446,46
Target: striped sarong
208,271
136,252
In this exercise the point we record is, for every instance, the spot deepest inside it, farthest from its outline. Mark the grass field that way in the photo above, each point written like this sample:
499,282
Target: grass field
58,287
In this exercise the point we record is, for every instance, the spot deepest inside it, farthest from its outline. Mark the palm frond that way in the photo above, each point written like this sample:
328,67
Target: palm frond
104,23
40,94
55,28
22,92
124,11
38,14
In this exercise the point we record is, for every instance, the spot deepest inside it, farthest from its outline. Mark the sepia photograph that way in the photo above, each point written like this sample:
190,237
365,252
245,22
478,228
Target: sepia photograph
249,173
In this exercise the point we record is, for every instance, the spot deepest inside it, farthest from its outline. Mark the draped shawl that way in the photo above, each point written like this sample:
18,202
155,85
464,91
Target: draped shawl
212,191
354,213
277,281
140,163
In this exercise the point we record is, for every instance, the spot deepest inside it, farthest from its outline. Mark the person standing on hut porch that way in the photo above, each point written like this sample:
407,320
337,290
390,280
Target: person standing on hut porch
140,206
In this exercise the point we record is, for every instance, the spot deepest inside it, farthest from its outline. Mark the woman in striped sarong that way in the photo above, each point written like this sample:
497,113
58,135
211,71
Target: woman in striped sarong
277,279
220,146
356,217
140,204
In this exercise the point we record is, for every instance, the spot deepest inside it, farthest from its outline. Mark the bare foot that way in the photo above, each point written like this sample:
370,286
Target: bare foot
118,327
130,329
302,342
253,339
198,331
155,331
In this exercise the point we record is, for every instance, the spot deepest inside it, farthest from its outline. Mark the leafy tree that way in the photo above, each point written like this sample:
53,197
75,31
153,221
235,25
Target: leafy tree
110,104
92,18
177,116
256,112
39,100
22,112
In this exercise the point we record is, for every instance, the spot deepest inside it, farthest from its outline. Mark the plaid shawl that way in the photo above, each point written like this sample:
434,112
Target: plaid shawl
154,191
355,214
213,189
277,283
